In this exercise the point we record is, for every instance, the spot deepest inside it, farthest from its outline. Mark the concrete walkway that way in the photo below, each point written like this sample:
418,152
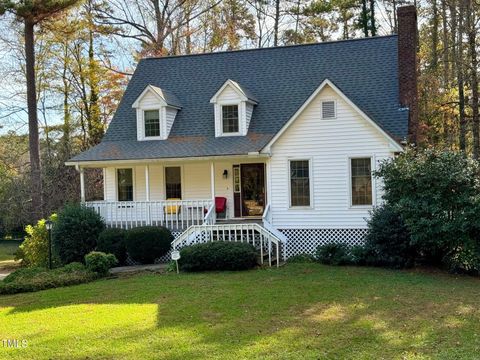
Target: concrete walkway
137,268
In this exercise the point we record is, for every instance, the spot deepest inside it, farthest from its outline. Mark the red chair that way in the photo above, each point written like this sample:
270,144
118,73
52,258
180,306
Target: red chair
220,204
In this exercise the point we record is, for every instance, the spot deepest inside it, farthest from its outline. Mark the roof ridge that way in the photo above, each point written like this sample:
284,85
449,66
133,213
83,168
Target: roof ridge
272,48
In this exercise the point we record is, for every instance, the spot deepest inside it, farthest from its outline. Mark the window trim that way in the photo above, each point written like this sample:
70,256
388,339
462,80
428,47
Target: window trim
219,109
334,108
182,188
133,183
311,181
145,137
141,115
349,182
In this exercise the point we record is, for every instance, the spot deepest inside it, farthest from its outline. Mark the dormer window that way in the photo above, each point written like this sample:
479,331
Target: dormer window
233,108
230,119
156,111
152,123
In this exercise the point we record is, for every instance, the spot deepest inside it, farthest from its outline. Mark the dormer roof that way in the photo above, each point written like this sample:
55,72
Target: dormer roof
243,92
166,97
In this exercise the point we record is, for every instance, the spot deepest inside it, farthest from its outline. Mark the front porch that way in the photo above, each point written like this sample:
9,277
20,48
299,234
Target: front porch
181,193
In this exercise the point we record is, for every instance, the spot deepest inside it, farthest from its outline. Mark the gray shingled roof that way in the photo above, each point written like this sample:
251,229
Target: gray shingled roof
281,79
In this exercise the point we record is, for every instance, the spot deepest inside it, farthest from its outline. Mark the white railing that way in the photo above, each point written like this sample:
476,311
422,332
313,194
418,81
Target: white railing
211,216
267,224
252,233
173,214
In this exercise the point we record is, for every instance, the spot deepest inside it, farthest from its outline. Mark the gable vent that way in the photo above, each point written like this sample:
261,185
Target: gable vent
328,110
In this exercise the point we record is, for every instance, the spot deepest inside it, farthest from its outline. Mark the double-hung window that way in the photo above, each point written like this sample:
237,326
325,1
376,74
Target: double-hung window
300,183
361,172
152,123
173,182
230,119
125,184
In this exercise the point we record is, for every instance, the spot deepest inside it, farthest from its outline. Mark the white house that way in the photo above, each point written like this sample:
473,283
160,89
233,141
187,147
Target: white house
289,136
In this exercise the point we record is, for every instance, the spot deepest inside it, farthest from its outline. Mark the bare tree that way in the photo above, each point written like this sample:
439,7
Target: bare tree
32,12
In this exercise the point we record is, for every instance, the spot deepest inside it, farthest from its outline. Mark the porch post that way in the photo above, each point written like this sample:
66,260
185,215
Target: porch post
147,194
147,183
82,185
212,180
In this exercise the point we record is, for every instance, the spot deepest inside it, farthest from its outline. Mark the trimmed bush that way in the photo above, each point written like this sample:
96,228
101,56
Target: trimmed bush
33,251
147,243
301,259
218,256
37,278
76,232
112,241
333,254
388,242
99,262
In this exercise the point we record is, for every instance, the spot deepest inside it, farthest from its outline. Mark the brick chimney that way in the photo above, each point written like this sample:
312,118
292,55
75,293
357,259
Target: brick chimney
407,66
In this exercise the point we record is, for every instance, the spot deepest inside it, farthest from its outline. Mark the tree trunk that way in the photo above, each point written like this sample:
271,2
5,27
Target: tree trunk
446,67
373,26
364,18
472,38
434,45
277,20
34,144
460,80
66,106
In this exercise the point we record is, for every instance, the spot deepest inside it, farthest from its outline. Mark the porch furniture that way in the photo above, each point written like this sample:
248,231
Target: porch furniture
221,205
172,209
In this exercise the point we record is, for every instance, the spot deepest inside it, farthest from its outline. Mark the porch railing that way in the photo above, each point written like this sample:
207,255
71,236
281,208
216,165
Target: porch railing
176,215
267,224
264,241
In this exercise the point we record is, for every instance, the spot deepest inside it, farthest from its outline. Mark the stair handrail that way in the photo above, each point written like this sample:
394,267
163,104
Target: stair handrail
194,230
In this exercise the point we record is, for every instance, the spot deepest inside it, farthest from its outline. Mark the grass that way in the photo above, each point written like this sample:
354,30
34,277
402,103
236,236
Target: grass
301,311
7,253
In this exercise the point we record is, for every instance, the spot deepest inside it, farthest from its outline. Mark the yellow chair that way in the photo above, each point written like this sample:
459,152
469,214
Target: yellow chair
172,209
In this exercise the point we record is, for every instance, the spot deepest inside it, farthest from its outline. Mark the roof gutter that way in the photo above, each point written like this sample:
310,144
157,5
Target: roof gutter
105,163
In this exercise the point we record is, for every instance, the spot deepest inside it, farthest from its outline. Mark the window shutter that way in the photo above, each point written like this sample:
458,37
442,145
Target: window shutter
328,110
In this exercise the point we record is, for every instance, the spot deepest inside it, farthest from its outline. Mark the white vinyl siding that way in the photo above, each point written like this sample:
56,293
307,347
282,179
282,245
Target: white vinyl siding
170,114
330,144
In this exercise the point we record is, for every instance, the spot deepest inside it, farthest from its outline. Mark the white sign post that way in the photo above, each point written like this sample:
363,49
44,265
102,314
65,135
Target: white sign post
176,257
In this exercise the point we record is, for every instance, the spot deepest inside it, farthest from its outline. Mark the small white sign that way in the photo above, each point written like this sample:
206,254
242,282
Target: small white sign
175,255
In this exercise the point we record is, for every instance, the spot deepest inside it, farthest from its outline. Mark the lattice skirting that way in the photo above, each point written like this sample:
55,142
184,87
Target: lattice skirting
305,241
165,258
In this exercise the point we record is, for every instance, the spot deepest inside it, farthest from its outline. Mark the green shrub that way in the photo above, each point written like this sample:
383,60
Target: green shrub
112,241
218,256
333,254
437,195
388,242
76,232
301,259
147,243
34,249
360,255
99,262
37,278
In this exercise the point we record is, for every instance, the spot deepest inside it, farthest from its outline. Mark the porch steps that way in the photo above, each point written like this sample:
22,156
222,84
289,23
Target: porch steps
268,245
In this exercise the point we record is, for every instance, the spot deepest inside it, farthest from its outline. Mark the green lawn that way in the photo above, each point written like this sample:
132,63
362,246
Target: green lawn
7,253
301,311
